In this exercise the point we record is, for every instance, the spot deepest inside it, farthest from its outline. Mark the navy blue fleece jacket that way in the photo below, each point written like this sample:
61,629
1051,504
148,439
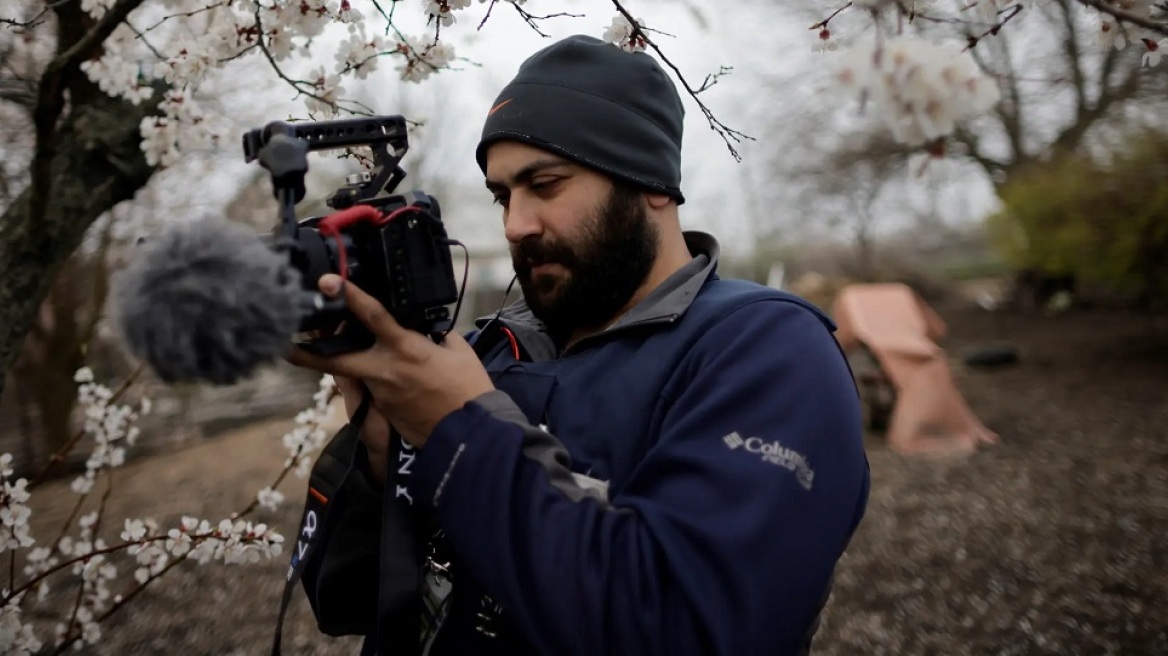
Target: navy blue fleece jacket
683,483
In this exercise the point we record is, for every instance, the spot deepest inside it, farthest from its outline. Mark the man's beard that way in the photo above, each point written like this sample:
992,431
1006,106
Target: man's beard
616,249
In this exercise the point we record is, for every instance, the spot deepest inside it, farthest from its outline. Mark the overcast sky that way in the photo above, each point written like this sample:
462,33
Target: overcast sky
776,80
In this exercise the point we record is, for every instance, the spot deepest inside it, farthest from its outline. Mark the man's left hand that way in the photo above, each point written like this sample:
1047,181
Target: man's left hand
414,382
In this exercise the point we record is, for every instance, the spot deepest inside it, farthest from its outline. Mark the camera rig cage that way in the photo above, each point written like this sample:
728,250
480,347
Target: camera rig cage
394,247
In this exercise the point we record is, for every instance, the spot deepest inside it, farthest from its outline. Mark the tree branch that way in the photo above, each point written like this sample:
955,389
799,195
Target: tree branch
1070,136
35,20
1008,113
51,96
989,164
727,133
531,19
1071,46
297,84
85,47
19,92
1126,16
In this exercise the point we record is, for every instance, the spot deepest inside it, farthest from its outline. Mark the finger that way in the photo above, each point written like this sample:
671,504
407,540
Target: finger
368,310
348,388
348,364
456,342
347,385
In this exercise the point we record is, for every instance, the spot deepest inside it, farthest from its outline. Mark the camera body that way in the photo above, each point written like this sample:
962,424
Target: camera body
393,246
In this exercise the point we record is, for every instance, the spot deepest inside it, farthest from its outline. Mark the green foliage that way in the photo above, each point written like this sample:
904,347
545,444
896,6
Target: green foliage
973,267
1102,219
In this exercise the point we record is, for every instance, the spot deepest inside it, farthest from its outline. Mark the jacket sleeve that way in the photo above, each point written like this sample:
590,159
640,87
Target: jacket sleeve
724,539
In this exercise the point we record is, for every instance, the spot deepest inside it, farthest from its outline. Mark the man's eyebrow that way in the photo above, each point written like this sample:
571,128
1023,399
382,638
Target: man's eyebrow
526,173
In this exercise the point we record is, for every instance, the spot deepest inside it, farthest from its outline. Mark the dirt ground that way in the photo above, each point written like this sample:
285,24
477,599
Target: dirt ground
1053,542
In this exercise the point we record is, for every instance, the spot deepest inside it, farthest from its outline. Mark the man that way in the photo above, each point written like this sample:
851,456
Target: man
639,457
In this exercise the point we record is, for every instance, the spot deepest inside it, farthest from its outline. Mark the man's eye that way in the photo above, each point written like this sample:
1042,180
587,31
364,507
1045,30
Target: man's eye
501,200
543,185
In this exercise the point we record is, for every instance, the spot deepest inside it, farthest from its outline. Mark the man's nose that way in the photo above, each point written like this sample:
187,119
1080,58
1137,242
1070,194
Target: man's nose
521,220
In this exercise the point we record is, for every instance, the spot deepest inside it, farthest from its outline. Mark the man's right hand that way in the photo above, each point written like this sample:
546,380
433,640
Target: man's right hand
375,432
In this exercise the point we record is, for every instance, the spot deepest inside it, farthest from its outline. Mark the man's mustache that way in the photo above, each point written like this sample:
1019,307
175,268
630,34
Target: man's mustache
531,253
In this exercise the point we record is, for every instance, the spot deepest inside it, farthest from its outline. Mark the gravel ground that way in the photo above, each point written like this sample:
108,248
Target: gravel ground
1053,542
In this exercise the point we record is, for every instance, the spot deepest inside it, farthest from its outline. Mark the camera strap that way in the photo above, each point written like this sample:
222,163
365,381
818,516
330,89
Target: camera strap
328,475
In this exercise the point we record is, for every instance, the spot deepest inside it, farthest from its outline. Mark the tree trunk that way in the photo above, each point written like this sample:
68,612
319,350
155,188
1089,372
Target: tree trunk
98,163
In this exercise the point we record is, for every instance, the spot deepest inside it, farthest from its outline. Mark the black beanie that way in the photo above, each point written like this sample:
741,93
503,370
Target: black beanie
593,103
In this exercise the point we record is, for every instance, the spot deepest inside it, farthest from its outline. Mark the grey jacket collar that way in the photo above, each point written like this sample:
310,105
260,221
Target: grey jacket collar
664,304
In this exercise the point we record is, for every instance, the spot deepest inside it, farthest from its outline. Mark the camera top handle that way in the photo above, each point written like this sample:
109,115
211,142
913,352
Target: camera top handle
282,149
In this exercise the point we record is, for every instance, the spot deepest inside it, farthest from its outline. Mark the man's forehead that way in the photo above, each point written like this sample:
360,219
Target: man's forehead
509,160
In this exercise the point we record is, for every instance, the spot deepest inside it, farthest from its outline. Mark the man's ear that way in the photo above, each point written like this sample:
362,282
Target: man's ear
658,201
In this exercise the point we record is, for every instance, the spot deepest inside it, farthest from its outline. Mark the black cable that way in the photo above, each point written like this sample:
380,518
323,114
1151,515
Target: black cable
465,274
507,293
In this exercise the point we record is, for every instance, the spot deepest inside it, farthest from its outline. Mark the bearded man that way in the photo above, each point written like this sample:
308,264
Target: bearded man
638,457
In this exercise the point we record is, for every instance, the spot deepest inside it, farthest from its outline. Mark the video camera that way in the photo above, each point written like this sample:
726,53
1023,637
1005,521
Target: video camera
393,247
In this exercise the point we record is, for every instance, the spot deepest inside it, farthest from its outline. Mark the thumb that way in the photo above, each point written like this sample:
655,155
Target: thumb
456,342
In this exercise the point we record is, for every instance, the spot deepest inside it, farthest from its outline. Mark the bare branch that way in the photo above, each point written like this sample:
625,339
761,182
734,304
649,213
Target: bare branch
532,20
187,14
142,37
1009,112
1070,136
973,152
1074,54
35,20
388,16
299,85
713,78
1126,16
823,23
1010,12
488,14
727,133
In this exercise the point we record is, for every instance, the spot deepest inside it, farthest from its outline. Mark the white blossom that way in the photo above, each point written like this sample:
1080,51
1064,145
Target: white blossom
1155,52
326,90
309,435
188,65
422,57
919,90
269,498
14,509
347,14
825,42
183,126
443,10
1111,35
622,34
96,8
359,54
118,71
16,637
135,530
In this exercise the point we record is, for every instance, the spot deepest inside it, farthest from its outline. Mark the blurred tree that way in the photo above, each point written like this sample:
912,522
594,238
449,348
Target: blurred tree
1101,218
1059,82
1062,89
57,345
844,185
85,156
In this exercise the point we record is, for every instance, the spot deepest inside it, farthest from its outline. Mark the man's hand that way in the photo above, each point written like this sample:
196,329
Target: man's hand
414,382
